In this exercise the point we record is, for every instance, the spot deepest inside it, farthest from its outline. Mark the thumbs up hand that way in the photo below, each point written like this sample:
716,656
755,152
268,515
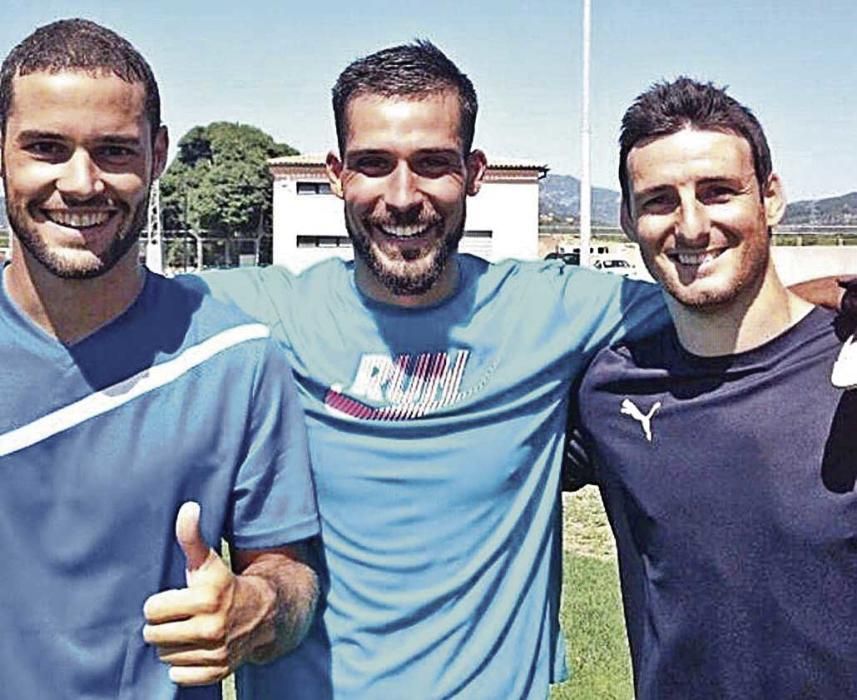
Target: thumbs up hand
197,553
202,631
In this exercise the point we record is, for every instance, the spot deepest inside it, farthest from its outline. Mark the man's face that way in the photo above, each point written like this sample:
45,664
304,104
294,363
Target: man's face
78,162
404,180
699,217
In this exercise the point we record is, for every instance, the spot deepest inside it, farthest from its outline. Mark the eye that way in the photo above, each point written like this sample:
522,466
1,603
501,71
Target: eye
115,153
717,194
372,165
657,203
47,150
435,165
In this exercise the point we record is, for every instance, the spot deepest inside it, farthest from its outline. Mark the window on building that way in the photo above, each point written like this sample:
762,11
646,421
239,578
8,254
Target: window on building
314,188
477,242
324,242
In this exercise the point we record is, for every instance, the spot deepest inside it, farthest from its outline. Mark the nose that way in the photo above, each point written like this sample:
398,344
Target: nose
403,194
694,223
81,177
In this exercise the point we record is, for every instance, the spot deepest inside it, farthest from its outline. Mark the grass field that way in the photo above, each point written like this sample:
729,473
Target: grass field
591,606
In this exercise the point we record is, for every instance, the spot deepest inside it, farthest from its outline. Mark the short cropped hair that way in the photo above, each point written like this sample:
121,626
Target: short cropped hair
668,107
409,71
78,45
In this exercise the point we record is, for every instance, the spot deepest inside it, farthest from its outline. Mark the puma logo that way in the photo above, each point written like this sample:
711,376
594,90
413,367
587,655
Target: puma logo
629,409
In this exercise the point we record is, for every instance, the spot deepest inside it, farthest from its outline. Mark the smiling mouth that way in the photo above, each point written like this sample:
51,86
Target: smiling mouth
78,220
405,232
696,258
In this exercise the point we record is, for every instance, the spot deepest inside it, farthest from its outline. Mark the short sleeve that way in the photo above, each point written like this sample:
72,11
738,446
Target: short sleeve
274,498
605,309
263,293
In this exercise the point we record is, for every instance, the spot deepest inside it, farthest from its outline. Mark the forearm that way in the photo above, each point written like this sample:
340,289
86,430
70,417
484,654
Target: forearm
823,291
278,602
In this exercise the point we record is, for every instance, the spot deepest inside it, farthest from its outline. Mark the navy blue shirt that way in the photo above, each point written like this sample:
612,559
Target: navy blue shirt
729,484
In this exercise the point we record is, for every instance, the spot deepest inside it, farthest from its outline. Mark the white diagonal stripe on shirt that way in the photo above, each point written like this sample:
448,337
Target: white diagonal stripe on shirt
128,389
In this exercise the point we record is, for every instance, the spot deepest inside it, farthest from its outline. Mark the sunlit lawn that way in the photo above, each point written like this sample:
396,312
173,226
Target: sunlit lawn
591,608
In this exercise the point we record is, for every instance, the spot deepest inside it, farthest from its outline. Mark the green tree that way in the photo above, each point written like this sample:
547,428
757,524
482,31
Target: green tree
219,180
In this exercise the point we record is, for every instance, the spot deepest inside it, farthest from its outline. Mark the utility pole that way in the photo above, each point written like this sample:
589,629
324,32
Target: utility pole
585,154
154,240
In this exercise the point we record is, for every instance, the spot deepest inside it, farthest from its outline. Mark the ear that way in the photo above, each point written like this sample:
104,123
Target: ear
626,219
775,200
159,152
476,164
333,166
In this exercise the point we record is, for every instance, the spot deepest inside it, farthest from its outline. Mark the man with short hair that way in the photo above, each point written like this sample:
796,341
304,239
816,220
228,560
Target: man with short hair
436,389
134,412
724,455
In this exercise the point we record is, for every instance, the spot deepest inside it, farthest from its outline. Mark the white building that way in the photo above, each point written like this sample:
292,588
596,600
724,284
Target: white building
502,220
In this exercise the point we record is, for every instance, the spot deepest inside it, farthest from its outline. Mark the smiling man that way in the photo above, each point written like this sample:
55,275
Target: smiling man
436,389
404,235
120,462
724,455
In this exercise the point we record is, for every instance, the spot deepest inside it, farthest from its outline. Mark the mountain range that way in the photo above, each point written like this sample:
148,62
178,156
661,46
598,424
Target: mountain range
559,198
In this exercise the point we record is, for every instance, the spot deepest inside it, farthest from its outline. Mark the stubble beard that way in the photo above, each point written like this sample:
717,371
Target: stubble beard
63,266
748,278
397,278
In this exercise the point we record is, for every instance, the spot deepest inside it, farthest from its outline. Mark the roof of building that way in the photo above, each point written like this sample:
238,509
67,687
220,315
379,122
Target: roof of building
314,159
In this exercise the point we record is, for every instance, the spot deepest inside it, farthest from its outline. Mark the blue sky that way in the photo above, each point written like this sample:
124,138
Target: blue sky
271,64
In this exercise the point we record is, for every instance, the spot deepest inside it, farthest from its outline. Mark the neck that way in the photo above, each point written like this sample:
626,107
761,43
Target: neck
444,286
71,309
759,315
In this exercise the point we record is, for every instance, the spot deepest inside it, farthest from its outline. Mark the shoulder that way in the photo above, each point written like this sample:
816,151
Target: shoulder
206,322
577,283
251,286
652,351
237,282
538,276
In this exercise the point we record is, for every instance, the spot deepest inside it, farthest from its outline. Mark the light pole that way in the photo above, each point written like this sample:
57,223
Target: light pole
585,155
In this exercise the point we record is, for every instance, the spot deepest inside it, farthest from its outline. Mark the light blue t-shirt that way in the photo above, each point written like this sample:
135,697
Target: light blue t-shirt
179,398
436,438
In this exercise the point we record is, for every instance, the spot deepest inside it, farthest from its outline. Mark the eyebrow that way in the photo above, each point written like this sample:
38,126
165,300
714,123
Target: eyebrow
384,152
651,190
117,139
703,181
31,134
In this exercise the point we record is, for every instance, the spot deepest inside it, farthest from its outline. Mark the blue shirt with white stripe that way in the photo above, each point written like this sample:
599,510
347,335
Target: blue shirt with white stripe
179,398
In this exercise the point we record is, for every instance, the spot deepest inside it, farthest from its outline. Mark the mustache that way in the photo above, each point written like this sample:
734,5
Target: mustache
95,202
422,216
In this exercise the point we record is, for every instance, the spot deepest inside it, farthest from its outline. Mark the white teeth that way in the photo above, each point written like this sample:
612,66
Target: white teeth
405,231
77,219
695,258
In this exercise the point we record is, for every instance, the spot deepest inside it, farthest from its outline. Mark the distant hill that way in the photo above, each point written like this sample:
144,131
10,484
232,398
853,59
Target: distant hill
559,196
832,211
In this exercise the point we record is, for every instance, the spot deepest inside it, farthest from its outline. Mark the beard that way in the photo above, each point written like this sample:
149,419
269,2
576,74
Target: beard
65,267
415,272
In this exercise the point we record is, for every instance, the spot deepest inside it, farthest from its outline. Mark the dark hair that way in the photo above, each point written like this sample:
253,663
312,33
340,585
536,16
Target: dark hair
666,108
409,70
78,45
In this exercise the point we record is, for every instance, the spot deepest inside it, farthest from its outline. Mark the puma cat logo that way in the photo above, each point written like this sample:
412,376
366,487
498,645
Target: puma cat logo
629,409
